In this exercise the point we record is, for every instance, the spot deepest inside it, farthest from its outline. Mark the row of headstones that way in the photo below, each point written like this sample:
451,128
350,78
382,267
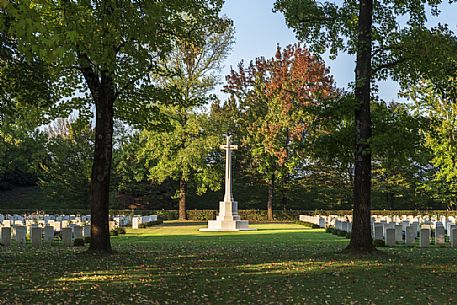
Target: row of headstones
317,220
46,217
138,219
58,222
330,220
39,236
391,233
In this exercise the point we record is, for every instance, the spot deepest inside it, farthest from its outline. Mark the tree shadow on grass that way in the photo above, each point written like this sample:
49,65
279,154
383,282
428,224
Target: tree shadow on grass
282,267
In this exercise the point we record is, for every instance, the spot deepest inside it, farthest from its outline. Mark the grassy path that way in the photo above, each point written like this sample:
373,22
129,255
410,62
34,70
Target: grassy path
177,264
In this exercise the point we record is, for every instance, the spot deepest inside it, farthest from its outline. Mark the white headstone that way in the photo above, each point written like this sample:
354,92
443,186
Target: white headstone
136,221
378,231
66,237
390,237
410,235
86,231
424,237
35,236
21,232
78,231
398,233
439,235
6,236
453,240
48,234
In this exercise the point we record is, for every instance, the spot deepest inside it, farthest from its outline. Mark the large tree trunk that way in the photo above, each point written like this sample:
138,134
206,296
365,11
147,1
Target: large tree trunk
101,168
361,240
271,188
182,199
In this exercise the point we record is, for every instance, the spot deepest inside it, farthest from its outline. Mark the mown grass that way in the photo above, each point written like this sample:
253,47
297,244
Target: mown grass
177,264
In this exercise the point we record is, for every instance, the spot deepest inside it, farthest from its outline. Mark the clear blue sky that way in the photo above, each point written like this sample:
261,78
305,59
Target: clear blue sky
258,30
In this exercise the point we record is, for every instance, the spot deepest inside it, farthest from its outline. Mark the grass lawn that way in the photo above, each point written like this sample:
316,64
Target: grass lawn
278,264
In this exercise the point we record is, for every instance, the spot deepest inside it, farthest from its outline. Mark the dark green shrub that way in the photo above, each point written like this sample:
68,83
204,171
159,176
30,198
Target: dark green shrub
335,232
79,242
379,243
329,229
202,214
341,233
113,232
153,223
57,235
121,230
348,235
87,239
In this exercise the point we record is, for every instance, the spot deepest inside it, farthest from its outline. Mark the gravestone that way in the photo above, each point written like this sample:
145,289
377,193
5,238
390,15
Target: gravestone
35,236
451,228
6,223
410,235
136,221
344,226
78,231
322,222
424,237
6,236
21,232
378,231
48,234
439,235
398,233
453,240
390,237
66,237
86,231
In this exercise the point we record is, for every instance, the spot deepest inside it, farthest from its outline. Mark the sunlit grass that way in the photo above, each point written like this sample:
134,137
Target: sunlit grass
176,264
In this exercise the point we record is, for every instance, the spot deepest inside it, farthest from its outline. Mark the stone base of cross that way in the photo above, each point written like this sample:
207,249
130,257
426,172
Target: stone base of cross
228,218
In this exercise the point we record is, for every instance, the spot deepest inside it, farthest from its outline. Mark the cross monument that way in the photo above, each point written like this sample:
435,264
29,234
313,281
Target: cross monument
228,218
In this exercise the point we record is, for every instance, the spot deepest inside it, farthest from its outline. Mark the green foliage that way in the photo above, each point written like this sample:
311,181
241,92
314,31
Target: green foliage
436,103
66,173
150,224
78,242
22,149
403,47
379,243
201,214
276,98
329,230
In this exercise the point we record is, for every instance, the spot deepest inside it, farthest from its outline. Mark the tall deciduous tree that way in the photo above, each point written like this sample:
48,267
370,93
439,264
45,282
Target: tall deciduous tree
275,97
107,50
437,102
192,68
382,47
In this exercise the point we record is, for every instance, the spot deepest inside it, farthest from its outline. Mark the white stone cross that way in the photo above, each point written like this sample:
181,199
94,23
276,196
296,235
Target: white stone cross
228,197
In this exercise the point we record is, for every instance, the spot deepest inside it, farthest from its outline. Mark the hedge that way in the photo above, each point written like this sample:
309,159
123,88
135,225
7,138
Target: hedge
252,215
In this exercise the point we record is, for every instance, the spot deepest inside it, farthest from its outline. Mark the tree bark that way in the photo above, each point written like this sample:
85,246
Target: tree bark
271,186
182,199
101,169
361,239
